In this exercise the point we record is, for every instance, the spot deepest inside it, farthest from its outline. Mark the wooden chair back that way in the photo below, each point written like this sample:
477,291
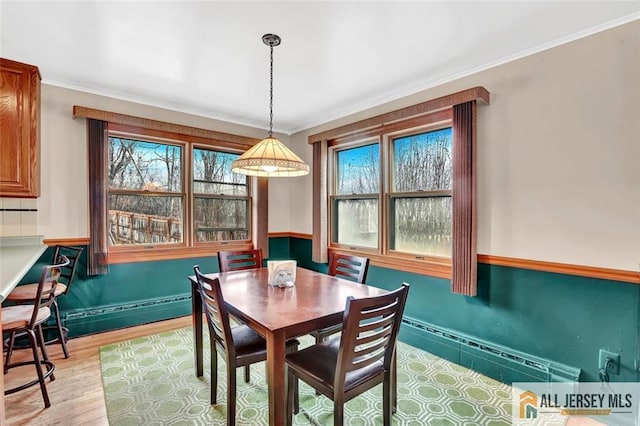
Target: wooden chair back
68,272
370,332
353,268
45,294
215,312
239,259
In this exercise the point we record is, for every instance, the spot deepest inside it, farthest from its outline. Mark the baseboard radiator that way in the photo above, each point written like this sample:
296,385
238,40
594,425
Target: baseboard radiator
499,362
113,317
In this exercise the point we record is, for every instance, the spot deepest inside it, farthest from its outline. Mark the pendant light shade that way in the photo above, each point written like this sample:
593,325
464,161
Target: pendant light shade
270,157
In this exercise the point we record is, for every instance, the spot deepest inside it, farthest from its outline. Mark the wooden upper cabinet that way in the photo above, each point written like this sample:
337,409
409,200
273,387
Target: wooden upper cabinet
19,129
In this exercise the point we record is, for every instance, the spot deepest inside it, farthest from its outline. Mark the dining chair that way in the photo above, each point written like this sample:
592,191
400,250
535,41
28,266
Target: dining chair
342,369
26,293
28,319
353,268
238,346
237,260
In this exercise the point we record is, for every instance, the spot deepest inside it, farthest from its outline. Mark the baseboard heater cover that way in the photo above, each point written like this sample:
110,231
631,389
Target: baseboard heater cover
113,317
126,307
551,371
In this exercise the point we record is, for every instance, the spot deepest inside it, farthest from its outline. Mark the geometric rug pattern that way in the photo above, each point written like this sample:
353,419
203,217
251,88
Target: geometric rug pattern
151,381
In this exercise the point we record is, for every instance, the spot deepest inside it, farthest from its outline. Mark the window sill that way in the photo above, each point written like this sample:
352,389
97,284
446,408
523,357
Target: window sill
432,266
141,254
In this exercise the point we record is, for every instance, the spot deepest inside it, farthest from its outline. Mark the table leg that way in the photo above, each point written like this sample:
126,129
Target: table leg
275,378
196,319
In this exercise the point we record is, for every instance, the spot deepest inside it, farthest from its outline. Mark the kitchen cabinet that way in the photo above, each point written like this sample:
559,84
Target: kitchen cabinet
19,129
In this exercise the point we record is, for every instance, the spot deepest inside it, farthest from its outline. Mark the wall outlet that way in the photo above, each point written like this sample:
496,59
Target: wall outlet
602,359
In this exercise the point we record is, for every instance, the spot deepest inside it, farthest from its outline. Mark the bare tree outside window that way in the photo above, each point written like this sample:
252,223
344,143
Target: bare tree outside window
145,192
221,198
420,204
356,204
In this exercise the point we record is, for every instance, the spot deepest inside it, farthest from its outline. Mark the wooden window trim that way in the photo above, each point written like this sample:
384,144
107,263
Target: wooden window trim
476,93
189,137
241,143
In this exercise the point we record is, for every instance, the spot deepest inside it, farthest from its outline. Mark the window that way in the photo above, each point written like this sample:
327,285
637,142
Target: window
422,217
391,196
420,196
146,192
165,191
221,202
356,200
169,193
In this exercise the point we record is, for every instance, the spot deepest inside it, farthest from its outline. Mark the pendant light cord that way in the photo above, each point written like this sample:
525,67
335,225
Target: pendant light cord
271,94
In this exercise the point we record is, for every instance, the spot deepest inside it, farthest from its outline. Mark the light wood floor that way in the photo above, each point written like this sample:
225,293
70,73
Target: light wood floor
76,393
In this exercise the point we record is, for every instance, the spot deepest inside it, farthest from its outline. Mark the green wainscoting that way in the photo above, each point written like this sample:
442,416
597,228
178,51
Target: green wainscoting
561,318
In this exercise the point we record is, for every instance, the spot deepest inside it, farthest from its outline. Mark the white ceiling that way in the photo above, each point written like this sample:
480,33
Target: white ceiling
336,58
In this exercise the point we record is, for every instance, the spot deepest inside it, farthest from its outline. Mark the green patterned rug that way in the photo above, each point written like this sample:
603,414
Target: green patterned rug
150,381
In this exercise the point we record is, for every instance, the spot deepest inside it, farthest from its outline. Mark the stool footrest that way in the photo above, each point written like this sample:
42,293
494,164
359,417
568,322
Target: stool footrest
25,345
48,364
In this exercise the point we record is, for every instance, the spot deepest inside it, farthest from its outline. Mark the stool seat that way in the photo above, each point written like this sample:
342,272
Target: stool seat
17,317
27,292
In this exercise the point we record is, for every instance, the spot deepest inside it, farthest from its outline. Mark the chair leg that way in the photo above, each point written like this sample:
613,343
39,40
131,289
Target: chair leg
319,339
214,374
12,339
386,401
338,411
43,348
290,395
231,394
394,382
36,358
296,396
247,373
63,341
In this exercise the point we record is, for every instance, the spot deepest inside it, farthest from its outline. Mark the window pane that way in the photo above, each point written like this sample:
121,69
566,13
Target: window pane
212,174
358,170
138,165
422,162
356,222
221,219
145,219
421,225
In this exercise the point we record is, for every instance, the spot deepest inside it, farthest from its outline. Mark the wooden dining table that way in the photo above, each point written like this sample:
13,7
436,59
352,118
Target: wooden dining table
316,301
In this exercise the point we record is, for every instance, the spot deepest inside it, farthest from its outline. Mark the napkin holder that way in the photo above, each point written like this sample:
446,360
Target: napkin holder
282,273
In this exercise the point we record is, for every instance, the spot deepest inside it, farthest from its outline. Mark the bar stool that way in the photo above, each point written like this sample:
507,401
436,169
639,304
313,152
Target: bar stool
26,294
28,319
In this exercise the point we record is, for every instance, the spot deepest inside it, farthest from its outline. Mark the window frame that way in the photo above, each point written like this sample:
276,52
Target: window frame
337,146
391,194
182,193
384,135
193,195
189,246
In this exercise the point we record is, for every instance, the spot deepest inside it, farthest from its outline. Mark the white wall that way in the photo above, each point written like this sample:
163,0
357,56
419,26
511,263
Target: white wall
558,153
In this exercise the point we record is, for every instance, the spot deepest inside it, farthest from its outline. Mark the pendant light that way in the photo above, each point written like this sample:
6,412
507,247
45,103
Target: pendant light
270,157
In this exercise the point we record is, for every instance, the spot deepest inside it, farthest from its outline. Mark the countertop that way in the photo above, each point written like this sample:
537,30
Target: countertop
17,256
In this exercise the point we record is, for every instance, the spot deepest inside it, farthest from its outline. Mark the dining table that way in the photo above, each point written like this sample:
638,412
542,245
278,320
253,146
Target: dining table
315,301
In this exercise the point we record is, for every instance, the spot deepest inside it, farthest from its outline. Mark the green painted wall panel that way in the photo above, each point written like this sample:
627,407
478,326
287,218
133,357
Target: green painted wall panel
279,248
559,317
438,347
